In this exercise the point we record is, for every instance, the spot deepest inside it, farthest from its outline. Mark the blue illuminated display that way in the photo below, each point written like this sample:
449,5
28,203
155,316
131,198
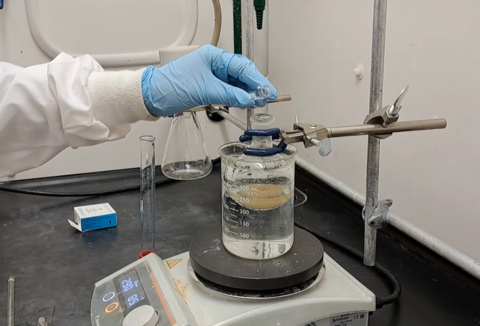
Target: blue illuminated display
133,300
130,291
128,284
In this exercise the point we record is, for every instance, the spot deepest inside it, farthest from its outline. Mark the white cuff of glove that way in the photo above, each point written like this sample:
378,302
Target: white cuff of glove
116,97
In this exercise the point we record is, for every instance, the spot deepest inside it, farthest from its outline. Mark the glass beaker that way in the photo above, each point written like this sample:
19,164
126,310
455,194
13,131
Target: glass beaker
257,201
186,156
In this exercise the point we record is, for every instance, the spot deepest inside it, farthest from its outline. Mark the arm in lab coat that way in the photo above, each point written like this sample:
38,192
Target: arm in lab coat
69,102
73,102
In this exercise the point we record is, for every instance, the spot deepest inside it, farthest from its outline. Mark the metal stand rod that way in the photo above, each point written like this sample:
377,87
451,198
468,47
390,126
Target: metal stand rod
249,43
11,302
373,158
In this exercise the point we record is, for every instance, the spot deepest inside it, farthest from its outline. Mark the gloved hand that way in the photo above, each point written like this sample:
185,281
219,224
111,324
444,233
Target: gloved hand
206,76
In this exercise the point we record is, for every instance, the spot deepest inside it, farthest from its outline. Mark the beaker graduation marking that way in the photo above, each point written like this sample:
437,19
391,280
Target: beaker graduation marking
147,194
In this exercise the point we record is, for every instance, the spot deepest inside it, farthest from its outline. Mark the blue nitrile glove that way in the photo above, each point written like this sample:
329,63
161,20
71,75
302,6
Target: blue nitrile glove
206,76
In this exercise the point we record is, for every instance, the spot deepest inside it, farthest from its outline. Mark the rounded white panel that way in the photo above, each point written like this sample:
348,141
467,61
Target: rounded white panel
142,316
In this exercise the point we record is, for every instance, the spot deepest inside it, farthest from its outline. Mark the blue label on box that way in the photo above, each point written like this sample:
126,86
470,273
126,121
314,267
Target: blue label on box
98,222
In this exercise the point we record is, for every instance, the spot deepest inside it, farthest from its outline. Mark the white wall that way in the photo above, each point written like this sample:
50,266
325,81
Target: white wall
114,26
434,47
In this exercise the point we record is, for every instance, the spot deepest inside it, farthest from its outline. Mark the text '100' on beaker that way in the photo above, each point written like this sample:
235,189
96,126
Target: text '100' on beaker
257,202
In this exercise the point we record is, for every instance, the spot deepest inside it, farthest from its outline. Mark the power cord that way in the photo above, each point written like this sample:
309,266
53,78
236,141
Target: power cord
395,284
78,194
163,181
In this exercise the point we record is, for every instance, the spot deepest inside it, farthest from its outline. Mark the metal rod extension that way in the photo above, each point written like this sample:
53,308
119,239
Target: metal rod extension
280,98
373,158
227,116
11,302
379,129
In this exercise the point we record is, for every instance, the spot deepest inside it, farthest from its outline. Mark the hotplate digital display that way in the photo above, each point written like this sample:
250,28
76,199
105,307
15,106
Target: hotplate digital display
130,291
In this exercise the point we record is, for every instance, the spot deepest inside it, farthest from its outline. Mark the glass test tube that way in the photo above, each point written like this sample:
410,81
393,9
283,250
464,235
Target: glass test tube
261,94
147,194
261,121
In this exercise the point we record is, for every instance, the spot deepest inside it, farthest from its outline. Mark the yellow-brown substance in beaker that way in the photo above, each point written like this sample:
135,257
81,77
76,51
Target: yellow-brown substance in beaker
262,196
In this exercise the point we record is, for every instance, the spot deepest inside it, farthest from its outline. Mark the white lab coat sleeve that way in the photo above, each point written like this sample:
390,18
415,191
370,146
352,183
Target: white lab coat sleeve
68,102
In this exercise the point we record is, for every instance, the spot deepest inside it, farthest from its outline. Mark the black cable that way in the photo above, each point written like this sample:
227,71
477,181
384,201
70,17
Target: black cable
78,194
380,301
87,194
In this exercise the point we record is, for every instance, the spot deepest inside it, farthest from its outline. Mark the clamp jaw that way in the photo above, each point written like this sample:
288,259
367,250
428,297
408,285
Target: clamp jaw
379,218
387,115
306,133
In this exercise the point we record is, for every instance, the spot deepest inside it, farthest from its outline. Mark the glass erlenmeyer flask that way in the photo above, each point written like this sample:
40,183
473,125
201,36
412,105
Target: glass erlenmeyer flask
186,156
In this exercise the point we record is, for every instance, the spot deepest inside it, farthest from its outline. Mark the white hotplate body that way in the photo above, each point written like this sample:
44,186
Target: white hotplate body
337,300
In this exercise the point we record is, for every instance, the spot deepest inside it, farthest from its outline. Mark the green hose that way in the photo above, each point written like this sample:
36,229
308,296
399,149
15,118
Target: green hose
237,26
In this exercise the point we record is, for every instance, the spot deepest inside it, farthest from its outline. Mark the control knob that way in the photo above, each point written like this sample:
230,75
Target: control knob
142,316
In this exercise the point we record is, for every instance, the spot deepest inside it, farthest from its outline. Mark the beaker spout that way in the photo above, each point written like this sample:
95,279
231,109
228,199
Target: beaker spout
147,194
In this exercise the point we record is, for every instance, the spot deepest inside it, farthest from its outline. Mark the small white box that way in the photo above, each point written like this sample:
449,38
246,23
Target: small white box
93,217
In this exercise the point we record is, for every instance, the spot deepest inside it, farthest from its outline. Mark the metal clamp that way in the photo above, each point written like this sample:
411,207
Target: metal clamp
247,135
214,108
309,133
304,132
387,115
274,133
379,218
211,112
381,124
